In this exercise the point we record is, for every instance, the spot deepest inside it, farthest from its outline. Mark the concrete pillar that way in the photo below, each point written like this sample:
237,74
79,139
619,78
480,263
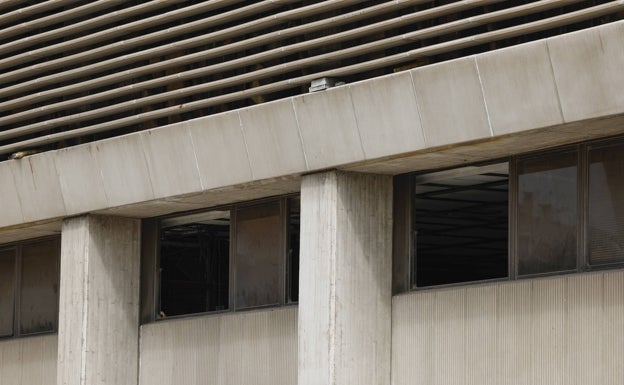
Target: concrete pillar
99,301
345,281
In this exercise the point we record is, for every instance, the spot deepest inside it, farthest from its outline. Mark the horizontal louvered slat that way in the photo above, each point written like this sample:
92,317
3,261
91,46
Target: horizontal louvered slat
239,53
68,30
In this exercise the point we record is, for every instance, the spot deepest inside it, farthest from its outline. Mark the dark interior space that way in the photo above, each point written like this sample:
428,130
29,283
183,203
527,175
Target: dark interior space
461,225
194,265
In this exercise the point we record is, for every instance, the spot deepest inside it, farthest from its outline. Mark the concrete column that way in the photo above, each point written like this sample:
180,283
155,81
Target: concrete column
99,301
345,281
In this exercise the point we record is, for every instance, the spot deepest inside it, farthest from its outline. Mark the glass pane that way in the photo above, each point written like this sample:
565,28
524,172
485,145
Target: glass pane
294,211
39,287
194,263
259,251
547,214
7,291
460,225
606,205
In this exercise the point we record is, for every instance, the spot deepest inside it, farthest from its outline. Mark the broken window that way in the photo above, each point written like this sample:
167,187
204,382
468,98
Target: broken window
237,257
460,225
29,288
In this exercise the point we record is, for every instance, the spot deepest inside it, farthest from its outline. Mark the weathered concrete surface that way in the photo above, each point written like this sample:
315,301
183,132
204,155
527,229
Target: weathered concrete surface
28,361
555,330
541,94
99,301
255,347
345,289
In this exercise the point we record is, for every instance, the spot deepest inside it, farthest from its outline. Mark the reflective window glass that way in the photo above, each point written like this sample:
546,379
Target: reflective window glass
39,287
547,213
606,205
259,255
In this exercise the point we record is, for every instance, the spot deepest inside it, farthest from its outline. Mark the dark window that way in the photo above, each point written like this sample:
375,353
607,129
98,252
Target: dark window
294,226
547,213
39,287
29,288
606,205
194,263
238,257
7,291
460,225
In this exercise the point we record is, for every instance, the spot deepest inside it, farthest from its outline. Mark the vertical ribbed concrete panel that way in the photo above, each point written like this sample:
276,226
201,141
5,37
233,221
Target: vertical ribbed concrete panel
548,313
258,347
584,342
99,301
28,361
345,289
557,330
481,335
450,337
413,325
612,357
514,333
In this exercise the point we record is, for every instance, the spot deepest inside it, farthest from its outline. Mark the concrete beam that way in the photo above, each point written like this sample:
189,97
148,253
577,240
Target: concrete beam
345,286
98,339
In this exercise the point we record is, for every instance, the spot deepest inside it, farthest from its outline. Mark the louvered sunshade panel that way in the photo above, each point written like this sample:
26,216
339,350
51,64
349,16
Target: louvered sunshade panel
75,71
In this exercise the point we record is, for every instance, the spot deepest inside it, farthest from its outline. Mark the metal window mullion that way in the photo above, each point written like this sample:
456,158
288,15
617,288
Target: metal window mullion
232,260
512,220
17,292
284,266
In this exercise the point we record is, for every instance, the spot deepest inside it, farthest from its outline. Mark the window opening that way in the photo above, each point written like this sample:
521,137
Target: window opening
294,228
194,263
29,287
460,225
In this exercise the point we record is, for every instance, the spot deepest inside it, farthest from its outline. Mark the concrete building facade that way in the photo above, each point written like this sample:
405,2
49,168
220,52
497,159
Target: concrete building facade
180,207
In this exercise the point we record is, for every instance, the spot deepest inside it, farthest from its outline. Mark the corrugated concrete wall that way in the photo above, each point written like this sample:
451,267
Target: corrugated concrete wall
557,330
28,361
256,347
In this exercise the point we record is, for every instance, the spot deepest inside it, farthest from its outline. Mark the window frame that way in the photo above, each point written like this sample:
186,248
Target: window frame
17,285
150,260
404,279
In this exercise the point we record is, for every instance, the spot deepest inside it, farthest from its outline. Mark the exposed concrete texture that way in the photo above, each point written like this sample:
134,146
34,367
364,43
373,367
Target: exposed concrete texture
472,109
555,330
328,128
220,150
345,288
255,347
387,128
99,301
171,161
519,88
124,170
451,103
28,361
588,71
273,139
38,187
80,186
11,208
